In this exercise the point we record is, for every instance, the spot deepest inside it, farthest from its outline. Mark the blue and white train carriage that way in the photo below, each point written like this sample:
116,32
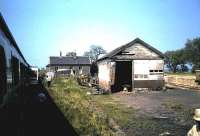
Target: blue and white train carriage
14,69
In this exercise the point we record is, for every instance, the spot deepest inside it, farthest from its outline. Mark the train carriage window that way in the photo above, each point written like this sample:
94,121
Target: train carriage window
15,70
2,73
22,71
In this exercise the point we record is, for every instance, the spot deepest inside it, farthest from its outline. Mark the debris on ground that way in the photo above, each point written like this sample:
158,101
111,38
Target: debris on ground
41,97
165,134
88,93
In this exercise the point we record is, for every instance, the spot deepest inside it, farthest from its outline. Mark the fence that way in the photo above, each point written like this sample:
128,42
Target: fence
182,81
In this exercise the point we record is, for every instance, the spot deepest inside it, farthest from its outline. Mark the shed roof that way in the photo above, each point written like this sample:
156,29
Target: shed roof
121,48
69,60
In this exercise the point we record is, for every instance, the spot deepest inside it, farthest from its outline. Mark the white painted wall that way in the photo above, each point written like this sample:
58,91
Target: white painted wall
142,69
104,74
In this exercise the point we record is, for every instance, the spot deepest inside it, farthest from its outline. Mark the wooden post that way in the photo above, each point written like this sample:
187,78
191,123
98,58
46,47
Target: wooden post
132,75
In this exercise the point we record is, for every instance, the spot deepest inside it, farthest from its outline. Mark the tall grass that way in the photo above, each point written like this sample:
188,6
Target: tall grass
78,108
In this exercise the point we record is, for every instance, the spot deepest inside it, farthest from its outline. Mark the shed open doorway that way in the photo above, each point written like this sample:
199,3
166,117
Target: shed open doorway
123,75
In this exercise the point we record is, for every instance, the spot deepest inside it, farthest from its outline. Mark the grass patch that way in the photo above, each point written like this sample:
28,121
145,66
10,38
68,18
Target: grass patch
147,126
79,108
183,114
181,74
114,109
171,105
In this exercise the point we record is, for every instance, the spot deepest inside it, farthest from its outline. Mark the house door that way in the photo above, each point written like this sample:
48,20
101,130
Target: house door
123,75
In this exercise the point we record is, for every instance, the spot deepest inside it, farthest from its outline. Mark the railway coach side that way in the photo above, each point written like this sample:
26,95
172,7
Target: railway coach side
14,69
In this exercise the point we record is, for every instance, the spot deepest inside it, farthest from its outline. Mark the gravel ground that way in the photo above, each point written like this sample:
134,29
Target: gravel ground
152,103
169,112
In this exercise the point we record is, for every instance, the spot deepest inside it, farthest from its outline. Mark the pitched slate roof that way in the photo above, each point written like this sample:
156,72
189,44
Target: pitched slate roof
121,48
69,60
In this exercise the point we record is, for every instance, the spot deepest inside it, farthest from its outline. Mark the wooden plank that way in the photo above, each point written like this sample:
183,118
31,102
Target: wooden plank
133,85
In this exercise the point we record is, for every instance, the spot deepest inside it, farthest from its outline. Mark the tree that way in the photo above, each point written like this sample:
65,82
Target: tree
93,69
182,60
192,51
42,73
172,60
175,59
71,54
94,52
190,54
184,68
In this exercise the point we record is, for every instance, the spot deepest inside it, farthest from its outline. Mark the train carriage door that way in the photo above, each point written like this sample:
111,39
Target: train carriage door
15,70
2,74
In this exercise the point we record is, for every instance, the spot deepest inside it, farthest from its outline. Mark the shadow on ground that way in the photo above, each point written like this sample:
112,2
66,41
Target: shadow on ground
30,117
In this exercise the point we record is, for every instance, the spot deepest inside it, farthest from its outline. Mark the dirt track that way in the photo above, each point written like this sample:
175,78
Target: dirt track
152,103
169,112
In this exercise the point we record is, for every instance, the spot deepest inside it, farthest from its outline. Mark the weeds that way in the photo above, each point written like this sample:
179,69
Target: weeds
120,113
78,108
170,105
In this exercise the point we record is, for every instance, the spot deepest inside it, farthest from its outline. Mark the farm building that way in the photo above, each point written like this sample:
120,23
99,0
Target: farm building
134,65
66,65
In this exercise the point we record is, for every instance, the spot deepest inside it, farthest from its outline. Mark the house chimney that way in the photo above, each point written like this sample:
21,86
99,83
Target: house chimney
60,53
74,55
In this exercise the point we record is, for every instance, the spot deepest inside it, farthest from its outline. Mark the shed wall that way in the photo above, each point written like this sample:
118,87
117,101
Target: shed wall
148,73
137,51
104,74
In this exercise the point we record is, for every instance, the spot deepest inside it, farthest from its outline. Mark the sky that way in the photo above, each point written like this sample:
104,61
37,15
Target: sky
43,28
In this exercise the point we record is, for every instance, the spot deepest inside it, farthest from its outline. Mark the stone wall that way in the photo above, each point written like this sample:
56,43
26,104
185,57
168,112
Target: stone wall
182,81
